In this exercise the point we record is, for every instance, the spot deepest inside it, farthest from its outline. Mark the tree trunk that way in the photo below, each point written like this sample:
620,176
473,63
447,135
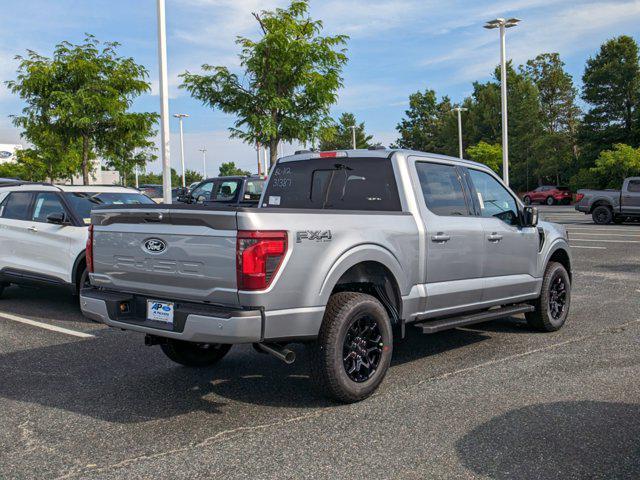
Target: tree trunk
85,160
273,152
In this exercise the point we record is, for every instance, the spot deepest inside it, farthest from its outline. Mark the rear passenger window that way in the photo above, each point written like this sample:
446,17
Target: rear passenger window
634,186
442,189
16,206
340,183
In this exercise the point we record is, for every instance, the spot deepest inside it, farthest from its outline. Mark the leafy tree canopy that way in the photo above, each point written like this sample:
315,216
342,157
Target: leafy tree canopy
228,169
79,98
613,166
487,153
339,135
291,76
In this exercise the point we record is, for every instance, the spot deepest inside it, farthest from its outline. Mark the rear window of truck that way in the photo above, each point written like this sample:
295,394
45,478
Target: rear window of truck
334,184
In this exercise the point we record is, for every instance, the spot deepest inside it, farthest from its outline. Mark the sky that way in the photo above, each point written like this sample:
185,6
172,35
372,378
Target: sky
395,48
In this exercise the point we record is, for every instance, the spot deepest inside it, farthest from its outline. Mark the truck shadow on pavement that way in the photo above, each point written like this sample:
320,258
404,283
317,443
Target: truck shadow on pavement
574,439
117,379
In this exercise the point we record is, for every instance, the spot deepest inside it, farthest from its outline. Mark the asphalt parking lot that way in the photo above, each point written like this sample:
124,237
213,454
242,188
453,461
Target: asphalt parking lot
498,401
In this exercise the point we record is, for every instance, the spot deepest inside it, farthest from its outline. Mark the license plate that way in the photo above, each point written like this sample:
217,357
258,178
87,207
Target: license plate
160,311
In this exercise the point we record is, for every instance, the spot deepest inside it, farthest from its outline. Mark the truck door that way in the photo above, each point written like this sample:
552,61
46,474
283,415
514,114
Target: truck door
454,238
630,201
511,251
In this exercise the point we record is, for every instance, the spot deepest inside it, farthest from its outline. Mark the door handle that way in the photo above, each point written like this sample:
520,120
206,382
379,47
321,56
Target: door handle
440,237
32,228
494,237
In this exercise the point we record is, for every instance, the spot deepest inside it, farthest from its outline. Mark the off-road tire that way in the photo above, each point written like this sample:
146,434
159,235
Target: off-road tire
602,215
550,200
328,365
527,200
541,318
192,354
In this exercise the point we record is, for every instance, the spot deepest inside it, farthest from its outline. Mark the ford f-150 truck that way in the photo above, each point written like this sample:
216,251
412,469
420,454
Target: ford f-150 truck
346,250
606,206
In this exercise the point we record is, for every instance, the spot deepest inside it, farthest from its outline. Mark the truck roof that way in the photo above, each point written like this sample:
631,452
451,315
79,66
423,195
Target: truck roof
377,153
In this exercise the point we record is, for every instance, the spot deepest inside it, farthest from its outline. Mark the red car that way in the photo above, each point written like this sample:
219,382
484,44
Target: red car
549,194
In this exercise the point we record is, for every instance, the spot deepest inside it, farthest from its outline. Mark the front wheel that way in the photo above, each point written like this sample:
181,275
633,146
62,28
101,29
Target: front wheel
192,354
354,347
550,200
602,215
552,306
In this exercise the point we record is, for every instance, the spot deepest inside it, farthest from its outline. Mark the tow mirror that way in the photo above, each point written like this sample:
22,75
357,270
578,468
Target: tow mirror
57,218
529,216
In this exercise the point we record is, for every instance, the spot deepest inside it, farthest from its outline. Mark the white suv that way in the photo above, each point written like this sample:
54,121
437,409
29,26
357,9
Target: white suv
43,230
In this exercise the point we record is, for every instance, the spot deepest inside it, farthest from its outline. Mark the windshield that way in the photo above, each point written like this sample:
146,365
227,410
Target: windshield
83,202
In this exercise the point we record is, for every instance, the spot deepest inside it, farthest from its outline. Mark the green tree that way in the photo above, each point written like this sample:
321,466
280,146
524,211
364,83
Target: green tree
611,86
191,176
613,166
422,129
82,94
291,78
489,154
339,135
557,147
228,169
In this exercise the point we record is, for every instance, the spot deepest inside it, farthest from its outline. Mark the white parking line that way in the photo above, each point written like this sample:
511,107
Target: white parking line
606,234
586,246
46,326
607,241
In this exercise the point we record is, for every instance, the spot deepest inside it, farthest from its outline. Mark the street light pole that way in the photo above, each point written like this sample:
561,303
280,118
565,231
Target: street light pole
460,110
204,161
503,25
164,104
180,116
353,135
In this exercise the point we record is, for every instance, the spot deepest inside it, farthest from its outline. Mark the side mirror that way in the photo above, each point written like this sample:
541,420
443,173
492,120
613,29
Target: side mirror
529,216
57,218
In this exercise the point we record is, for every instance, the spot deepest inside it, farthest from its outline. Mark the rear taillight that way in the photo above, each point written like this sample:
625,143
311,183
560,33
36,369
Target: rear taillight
89,250
258,257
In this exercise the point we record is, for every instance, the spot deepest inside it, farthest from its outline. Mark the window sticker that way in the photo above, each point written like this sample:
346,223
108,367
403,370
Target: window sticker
36,213
481,201
274,200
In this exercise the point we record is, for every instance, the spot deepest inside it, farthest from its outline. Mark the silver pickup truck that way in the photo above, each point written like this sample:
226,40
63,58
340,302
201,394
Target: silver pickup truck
347,250
606,206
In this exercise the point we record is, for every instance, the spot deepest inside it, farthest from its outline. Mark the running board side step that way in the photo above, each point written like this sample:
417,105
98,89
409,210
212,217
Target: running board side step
434,326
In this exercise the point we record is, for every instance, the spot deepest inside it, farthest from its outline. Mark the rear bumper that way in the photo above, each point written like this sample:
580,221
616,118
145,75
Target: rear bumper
582,208
192,322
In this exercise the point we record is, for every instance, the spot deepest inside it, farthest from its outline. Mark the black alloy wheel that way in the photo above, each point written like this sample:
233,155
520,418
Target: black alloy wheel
362,349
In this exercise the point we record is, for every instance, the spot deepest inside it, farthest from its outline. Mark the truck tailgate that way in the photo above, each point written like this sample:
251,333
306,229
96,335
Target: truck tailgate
167,253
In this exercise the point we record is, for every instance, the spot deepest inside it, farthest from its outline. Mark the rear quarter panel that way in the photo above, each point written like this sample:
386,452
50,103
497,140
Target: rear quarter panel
312,267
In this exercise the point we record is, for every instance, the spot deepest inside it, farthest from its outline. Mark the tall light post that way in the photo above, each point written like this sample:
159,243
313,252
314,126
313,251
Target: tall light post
164,104
460,110
353,135
180,116
503,25
204,161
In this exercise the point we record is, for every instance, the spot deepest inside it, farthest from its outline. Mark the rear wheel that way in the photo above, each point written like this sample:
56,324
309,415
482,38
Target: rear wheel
527,200
192,354
2,287
602,215
552,306
550,200
354,347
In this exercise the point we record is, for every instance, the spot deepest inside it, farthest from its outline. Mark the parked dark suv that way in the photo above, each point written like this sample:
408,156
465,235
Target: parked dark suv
245,191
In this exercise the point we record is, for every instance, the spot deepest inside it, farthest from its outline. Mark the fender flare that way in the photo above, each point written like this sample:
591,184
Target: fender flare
359,254
557,244
74,273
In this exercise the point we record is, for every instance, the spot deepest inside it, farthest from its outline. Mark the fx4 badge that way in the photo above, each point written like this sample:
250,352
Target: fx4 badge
315,235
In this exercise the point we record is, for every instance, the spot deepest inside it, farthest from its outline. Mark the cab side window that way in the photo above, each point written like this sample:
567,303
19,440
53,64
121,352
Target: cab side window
442,189
46,203
204,190
16,206
494,199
